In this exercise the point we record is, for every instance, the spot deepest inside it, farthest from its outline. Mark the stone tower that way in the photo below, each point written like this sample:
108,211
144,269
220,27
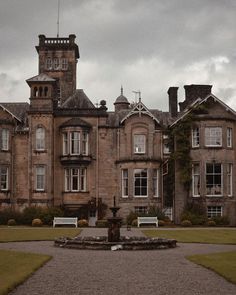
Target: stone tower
58,59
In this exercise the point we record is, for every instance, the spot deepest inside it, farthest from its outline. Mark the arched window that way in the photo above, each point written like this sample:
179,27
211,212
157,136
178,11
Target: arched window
40,138
46,91
40,91
35,91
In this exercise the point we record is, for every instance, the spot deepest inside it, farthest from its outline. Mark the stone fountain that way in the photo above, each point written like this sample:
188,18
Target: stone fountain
114,241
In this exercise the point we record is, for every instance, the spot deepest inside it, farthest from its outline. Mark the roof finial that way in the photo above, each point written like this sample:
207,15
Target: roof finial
58,16
121,90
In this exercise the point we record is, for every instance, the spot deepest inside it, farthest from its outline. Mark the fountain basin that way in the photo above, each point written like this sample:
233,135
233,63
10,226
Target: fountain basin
125,243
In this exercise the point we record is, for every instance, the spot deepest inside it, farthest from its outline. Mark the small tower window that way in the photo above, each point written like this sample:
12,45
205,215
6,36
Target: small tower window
35,93
56,63
40,91
46,91
64,64
48,63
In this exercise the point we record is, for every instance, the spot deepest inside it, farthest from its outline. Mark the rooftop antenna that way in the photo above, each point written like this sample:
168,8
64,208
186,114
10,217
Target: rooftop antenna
137,93
58,17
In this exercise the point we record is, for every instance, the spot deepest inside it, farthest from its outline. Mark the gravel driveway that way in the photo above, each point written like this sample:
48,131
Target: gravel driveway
84,272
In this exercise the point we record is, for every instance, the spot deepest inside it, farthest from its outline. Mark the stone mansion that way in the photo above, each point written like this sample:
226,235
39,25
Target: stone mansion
62,150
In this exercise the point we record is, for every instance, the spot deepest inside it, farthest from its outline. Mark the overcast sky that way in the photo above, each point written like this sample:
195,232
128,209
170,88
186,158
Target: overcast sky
146,45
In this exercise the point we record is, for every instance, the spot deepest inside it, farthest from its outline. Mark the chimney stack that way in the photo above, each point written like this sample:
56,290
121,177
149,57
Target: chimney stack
173,101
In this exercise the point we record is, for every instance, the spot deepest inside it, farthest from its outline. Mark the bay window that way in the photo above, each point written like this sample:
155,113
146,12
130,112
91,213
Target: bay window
75,143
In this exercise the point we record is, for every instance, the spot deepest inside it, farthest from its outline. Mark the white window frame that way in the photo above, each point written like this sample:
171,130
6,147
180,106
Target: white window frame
74,143
141,179
195,137
65,146
214,211
229,175
124,183
40,138
214,174
5,139
155,180
229,137
4,177
80,176
195,177
84,143
139,141
40,177
213,136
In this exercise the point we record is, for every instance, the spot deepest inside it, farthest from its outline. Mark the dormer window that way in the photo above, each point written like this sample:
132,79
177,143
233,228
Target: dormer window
139,144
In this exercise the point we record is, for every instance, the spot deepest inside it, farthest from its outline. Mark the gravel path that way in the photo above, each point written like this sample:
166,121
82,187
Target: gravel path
84,272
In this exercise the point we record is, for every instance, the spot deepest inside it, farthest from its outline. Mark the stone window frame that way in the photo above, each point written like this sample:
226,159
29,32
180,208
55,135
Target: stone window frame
229,179
5,137
82,142
195,137
211,137
229,137
139,143
214,177
4,178
155,182
141,179
40,184
81,179
40,143
196,178
124,183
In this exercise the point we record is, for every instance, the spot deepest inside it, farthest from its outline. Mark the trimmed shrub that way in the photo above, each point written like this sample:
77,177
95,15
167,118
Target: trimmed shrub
9,213
186,223
37,222
102,223
47,214
82,223
221,220
30,213
135,223
161,222
132,216
211,223
11,222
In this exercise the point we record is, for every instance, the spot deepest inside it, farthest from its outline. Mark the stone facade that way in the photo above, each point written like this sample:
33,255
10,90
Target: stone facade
61,150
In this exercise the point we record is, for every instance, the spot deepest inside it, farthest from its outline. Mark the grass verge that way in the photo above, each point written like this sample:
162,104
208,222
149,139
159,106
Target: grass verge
14,234
214,236
16,267
223,264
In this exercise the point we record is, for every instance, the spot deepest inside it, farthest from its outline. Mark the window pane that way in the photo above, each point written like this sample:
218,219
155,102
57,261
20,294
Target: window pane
229,180
40,138
124,183
40,178
213,136
5,139
140,182
195,137
85,143
196,179
155,183
213,211
139,143
75,143
65,143
214,179
4,178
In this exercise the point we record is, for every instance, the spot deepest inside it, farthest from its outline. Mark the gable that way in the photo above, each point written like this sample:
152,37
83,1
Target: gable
141,110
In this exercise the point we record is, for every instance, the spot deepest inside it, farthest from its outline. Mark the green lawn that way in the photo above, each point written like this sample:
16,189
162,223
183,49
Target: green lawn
222,263
16,267
214,236
13,234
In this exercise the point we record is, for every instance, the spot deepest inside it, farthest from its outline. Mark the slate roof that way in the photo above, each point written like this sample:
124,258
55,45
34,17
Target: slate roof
75,122
78,100
18,109
41,78
121,99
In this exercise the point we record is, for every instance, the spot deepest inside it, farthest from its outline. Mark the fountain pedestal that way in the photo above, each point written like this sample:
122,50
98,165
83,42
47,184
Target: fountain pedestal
114,224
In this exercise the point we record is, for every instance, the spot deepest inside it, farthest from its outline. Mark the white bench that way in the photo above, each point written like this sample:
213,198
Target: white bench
147,220
65,221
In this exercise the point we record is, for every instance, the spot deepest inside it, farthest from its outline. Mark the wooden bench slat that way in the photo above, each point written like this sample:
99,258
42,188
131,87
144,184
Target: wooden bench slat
147,220
65,220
